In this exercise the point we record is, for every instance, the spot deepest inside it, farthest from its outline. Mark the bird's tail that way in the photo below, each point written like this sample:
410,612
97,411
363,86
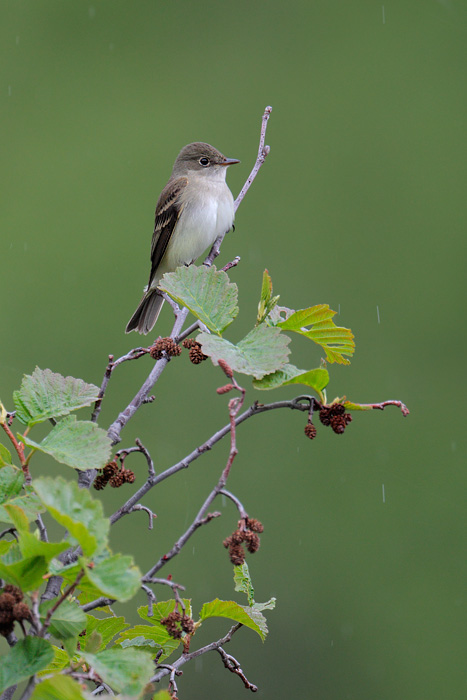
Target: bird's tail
147,313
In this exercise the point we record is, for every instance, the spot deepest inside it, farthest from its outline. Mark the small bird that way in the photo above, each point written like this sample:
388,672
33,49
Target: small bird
194,208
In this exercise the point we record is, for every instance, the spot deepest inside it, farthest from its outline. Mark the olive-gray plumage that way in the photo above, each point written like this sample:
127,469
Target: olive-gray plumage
194,208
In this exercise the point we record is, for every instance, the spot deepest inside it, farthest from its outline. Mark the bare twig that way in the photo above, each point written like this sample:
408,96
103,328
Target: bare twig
254,410
231,663
238,503
68,591
184,658
151,515
134,354
381,406
232,263
42,528
98,603
9,531
261,157
140,397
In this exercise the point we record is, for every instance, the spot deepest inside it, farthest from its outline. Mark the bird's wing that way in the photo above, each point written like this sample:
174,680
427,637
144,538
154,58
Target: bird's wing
168,210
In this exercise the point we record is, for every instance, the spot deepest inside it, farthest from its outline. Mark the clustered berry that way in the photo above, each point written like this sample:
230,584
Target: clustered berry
12,609
195,354
176,623
245,534
335,416
164,346
114,475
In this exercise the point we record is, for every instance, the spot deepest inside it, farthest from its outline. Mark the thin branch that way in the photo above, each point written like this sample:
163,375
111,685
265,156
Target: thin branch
134,354
231,663
232,263
42,528
260,158
151,515
197,522
214,646
9,531
140,397
254,410
381,406
68,591
98,603
238,503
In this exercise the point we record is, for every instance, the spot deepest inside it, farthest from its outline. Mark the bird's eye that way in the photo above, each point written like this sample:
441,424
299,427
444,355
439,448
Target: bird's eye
204,161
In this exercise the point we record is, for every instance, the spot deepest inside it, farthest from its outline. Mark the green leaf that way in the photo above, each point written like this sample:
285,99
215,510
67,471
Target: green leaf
58,688
350,406
317,379
125,670
262,351
116,577
45,394
59,661
156,633
76,510
79,444
26,658
5,456
105,628
11,481
267,301
27,573
335,340
249,617
243,582
18,517
207,292
67,621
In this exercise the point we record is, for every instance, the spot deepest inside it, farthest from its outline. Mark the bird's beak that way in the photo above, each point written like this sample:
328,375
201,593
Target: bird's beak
230,161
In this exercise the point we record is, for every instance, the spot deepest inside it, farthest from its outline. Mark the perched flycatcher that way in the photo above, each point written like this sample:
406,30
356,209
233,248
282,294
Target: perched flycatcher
193,209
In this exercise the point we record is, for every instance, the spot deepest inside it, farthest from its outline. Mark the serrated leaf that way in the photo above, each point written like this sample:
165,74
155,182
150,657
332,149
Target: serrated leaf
27,573
45,394
26,658
317,379
58,688
11,481
32,546
5,456
238,613
67,621
79,444
59,661
206,291
243,582
335,340
116,577
262,351
106,628
29,504
76,510
125,670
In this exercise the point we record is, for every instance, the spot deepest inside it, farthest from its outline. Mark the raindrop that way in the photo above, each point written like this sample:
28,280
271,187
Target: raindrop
92,12
384,493
384,15
377,313
17,40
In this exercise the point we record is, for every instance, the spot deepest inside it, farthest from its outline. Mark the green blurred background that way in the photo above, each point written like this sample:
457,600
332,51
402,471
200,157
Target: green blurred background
361,204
